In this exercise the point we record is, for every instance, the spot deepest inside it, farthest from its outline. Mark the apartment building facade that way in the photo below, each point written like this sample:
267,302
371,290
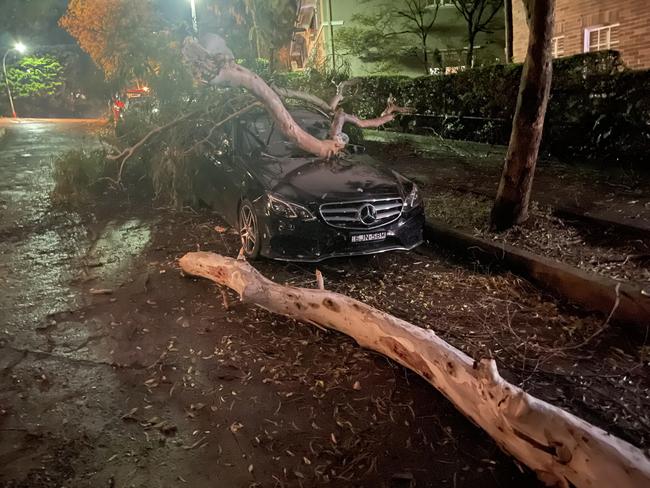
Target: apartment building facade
593,25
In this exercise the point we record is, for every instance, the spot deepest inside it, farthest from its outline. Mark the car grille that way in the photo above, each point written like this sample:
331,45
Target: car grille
357,214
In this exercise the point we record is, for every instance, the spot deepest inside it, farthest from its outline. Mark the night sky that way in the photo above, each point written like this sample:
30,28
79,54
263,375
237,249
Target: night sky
34,22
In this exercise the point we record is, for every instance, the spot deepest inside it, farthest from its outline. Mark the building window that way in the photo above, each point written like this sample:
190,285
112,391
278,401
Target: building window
598,38
557,46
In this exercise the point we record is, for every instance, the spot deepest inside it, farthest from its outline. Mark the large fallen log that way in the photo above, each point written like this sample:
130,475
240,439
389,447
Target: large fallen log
560,447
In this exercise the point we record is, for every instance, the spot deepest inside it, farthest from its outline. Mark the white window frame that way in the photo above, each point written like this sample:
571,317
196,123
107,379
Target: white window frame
600,45
439,4
555,46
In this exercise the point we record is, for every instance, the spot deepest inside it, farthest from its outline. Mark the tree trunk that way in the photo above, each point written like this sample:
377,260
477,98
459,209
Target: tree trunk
470,51
558,446
271,60
425,55
507,7
513,196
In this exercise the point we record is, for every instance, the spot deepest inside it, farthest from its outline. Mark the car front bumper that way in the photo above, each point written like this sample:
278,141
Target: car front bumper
313,241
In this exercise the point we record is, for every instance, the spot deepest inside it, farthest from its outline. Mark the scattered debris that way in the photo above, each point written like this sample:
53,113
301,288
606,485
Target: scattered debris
101,291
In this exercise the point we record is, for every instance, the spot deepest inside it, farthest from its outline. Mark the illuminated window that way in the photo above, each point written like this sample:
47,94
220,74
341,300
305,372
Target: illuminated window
557,46
601,37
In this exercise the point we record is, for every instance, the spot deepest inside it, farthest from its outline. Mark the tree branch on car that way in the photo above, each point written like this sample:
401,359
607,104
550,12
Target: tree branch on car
339,116
217,125
214,64
388,115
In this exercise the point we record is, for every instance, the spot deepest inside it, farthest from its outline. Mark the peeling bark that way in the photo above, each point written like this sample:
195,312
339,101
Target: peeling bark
558,446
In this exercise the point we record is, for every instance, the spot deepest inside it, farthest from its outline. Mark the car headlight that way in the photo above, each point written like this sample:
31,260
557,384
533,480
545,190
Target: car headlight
414,199
288,210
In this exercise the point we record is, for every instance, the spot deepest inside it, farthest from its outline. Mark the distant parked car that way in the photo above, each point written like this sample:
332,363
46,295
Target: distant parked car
289,205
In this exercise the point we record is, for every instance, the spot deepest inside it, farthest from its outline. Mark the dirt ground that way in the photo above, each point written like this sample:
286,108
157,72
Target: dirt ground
117,371
613,193
458,197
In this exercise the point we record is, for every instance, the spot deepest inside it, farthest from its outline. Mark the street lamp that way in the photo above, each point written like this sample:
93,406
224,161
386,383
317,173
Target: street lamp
194,21
20,48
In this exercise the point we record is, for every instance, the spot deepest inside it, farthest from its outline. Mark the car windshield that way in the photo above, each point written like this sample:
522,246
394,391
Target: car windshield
263,134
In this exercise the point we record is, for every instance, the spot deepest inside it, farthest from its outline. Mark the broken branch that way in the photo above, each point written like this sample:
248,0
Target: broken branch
215,64
304,96
560,447
129,151
388,115
340,93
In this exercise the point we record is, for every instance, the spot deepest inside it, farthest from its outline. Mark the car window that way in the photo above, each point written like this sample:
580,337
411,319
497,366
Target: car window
262,133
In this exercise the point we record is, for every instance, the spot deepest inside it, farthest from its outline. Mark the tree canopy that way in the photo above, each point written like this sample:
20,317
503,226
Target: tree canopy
478,14
117,34
35,76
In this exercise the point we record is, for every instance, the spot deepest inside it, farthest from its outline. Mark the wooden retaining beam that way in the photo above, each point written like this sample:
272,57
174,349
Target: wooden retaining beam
590,291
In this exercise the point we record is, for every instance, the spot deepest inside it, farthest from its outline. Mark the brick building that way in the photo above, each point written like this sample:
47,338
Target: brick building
593,25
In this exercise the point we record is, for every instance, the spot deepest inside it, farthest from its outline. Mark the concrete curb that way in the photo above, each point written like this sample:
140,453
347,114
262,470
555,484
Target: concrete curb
591,291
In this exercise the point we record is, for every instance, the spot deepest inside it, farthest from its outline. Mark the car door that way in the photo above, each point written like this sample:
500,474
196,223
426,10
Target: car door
216,183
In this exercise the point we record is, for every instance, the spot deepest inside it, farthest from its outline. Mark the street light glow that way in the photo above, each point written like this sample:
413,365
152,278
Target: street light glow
195,24
20,48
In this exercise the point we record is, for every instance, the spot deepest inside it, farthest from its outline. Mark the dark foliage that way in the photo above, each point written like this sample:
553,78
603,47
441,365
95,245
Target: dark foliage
599,110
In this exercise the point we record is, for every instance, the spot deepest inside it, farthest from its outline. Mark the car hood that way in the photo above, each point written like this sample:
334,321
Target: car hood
309,180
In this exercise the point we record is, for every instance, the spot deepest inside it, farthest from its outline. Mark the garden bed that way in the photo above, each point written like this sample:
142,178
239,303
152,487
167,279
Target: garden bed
458,178
624,258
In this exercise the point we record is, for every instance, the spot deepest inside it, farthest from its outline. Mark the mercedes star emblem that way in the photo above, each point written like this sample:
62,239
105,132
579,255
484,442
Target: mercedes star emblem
368,214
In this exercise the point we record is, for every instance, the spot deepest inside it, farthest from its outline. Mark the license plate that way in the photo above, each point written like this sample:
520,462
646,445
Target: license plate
374,236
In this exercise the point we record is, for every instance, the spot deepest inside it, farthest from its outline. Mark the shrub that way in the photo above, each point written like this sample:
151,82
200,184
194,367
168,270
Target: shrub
77,175
598,109
36,76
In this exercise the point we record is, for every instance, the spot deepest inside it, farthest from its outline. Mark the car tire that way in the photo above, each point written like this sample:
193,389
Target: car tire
249,230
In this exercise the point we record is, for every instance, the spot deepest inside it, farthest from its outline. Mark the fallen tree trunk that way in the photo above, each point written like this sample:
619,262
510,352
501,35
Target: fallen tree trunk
558,446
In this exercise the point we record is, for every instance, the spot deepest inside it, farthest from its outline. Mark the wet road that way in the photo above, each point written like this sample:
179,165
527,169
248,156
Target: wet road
26,155
37,244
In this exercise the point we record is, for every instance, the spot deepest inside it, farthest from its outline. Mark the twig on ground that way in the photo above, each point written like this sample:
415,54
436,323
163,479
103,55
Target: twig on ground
600,330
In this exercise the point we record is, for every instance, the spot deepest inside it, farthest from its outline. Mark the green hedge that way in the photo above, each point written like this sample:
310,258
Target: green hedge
598,109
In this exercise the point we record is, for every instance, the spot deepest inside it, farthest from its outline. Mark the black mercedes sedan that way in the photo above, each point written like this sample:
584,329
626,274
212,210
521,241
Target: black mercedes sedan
288,205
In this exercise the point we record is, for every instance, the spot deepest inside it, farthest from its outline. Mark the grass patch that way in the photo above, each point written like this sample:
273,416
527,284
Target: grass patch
458,209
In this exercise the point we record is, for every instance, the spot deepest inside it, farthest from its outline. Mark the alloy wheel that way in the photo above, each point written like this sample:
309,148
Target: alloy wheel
247,229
